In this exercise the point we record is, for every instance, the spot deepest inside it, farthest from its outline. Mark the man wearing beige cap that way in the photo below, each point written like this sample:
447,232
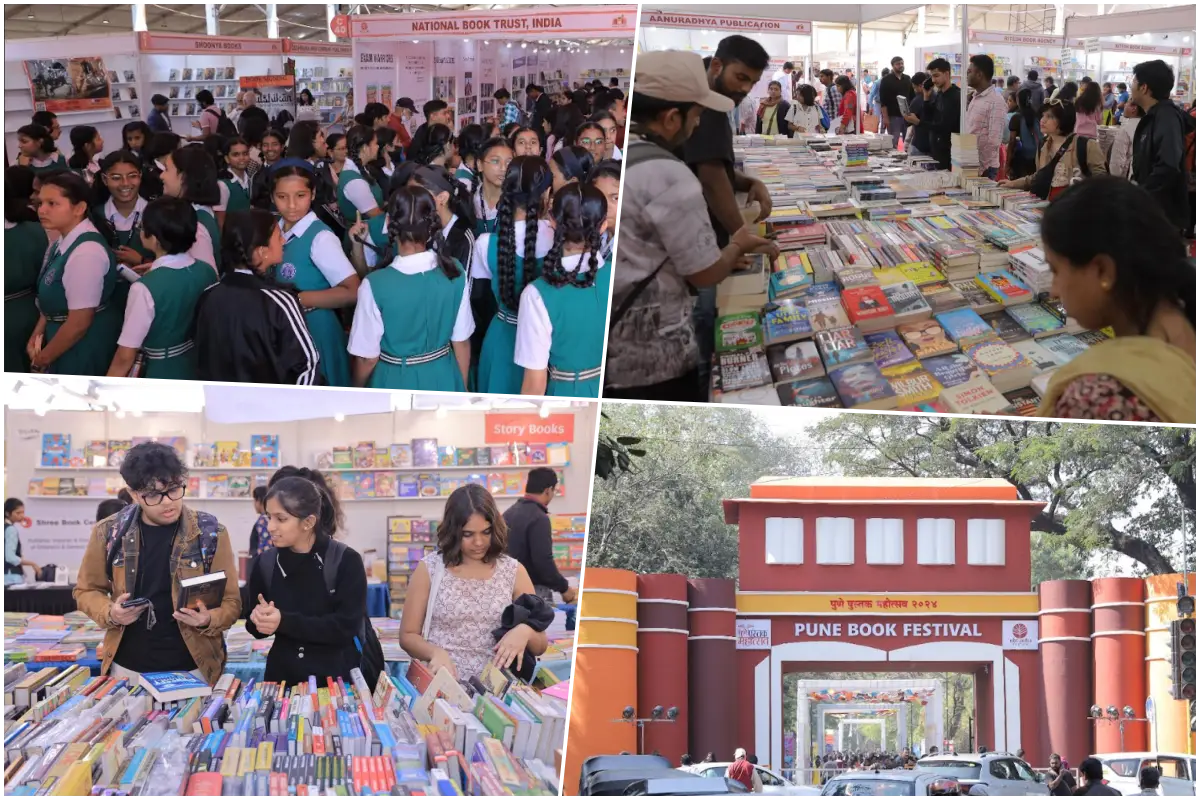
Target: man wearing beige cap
669,244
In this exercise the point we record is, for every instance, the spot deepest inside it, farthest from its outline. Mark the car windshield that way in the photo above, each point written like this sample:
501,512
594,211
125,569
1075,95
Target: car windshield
869,787
963,770
1124,767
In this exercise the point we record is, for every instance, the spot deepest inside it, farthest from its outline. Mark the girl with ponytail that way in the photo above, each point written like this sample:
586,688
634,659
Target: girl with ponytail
492,162
412,325
511,258
436,149
358,193
560,328
606,176
1118,263
314,628
86,143
190,173
250,329
467,147
570,165
38,151
315,265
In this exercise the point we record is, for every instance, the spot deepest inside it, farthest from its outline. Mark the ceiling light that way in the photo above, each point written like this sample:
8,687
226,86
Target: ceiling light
485,41
339,417
416,41
466,40
524,45
29,16
103,22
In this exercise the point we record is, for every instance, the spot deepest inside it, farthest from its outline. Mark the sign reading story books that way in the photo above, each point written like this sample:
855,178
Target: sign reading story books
530,428
61,85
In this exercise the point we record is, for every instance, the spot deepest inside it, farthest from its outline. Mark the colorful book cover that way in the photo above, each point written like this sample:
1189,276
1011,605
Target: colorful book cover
814,393
364,485
56,449
889,276
1024,401
974,294
925,338
907,301
866,303
823,289
114,485
850,277
502,456
343,458
203,455
952,368
364,455
447,456
977,396
425,452
558,454
264,450
1004,287
1035,319
738,331
963,325
408,487
786,320
49,487
921,274
218,485
66,487
996,357
401,455
466,456
117,448
842,346
1037,355
226,454
942,297
428,485
399,525
1005,326
178,443
1063,347
514,483
477,478
790,282
797,361
96,453
383,458
536,454
496,483
827,313
930,407
483,456
742,369
239,486
915,386
888,350
863,386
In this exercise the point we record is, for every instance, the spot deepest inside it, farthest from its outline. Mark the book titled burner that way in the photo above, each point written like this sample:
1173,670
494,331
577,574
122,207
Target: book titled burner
738,331
863,386
742,369
868,308
815,393
786,321
843,346
793,362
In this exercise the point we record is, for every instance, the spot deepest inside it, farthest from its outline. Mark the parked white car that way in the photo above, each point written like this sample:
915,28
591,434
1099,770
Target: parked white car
995,774
773,782
1178,770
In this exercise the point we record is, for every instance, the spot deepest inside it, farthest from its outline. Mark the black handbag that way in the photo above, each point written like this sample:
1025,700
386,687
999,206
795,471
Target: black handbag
1045,176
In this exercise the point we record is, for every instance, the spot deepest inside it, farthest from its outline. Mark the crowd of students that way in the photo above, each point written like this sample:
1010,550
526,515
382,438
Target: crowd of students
387,255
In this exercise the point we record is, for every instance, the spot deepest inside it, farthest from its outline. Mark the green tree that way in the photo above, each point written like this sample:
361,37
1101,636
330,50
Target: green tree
1108,489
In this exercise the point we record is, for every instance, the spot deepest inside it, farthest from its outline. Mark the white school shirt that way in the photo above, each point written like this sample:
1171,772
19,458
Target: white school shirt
139,310
202,248
534,330
366,332
123,223
224,190
480,268
326,252
482,210
359,192
616,155
83,274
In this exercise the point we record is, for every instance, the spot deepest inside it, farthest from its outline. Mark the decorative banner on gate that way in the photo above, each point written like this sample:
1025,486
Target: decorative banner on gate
63,85
606,22
529,428
1020,635
865,696
754,634
659,19
820,604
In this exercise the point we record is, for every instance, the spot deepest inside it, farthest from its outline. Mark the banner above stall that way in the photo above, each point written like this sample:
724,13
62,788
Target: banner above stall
301,48
177,43
659,19
571,22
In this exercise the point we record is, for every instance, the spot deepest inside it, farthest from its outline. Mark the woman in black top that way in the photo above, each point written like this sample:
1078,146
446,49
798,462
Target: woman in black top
314,629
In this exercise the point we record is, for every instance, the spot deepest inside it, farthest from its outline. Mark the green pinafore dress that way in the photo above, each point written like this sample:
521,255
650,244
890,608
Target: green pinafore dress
418,314
349,212
577,319
169,348
239,198
299,270
131,238
57,164
209,220
24,252
498,373
93,354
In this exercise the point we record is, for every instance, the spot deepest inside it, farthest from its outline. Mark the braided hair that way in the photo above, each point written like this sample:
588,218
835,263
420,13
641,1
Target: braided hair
243,233
438,180
81,137
358,137
469,140
434,146
481,154
413,219
525,185
575,163
579,210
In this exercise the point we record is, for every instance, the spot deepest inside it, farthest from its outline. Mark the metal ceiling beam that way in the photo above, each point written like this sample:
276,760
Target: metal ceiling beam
83,21
14,10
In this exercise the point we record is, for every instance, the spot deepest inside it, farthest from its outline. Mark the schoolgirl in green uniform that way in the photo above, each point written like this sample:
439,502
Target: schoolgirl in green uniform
120,215
570,165
358,193
136,135
38,151
160,315
492,162
76,332
234,178
466,148
25,246
315,265
87,143
190,174
560,328
606,176
511,258
412,325
437,149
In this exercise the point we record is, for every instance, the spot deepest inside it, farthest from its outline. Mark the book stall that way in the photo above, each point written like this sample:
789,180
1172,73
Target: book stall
324,68
898,286
463,57
1114,43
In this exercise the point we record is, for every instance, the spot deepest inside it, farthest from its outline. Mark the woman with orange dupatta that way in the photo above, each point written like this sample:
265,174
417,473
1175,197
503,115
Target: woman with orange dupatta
1119,264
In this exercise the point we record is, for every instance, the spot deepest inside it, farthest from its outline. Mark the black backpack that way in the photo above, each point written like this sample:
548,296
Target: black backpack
365,640
225,126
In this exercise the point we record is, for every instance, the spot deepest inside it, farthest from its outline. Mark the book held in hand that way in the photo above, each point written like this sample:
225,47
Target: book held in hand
208,589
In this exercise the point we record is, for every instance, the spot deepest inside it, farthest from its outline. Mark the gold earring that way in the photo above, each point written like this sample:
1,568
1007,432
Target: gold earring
1104,285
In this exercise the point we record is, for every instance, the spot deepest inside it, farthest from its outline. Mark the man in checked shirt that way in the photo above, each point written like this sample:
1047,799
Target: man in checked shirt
987,114
831,97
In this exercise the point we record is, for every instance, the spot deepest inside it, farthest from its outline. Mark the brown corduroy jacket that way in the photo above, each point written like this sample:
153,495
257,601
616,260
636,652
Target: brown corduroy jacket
95,592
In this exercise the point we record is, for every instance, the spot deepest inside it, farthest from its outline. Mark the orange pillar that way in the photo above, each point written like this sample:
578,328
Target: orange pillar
604,682
1065,652
1119,660
1172,729
663,662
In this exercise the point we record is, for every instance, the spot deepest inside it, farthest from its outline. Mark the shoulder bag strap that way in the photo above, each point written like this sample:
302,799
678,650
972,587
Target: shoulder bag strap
435,581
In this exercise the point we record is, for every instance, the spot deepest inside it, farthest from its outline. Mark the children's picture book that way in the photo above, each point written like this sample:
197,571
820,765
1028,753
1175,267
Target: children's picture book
364,455
535,454
96,453
447,456
483,456
963,326
364,485
408,486
264,450
502,456
56,449
383,458
218,485
514,483
239,486
814,393
227,454
117,448
343,458
385,484
496,483
427,485
401,455
425,452
465,456
557,455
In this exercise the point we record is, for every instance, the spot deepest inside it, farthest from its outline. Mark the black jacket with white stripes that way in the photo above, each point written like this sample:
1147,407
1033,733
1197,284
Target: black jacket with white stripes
249,330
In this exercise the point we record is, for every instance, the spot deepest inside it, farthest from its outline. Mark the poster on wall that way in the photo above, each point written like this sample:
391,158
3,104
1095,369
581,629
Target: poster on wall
375,71
416,76
62,85
271,89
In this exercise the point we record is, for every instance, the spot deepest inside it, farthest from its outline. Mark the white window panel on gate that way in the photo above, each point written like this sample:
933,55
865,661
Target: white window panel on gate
835,540
885,541
985,542
935,541
785,540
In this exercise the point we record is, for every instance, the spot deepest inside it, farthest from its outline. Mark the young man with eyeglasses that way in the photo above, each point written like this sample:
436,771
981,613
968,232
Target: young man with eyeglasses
143,552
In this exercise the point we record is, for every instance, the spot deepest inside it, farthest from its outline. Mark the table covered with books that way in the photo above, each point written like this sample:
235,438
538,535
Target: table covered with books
44,599
898,286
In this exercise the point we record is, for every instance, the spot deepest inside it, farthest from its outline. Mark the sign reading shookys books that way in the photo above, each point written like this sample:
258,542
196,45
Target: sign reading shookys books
754,634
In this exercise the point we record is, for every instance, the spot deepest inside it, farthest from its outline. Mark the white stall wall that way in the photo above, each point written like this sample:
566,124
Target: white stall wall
60,527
